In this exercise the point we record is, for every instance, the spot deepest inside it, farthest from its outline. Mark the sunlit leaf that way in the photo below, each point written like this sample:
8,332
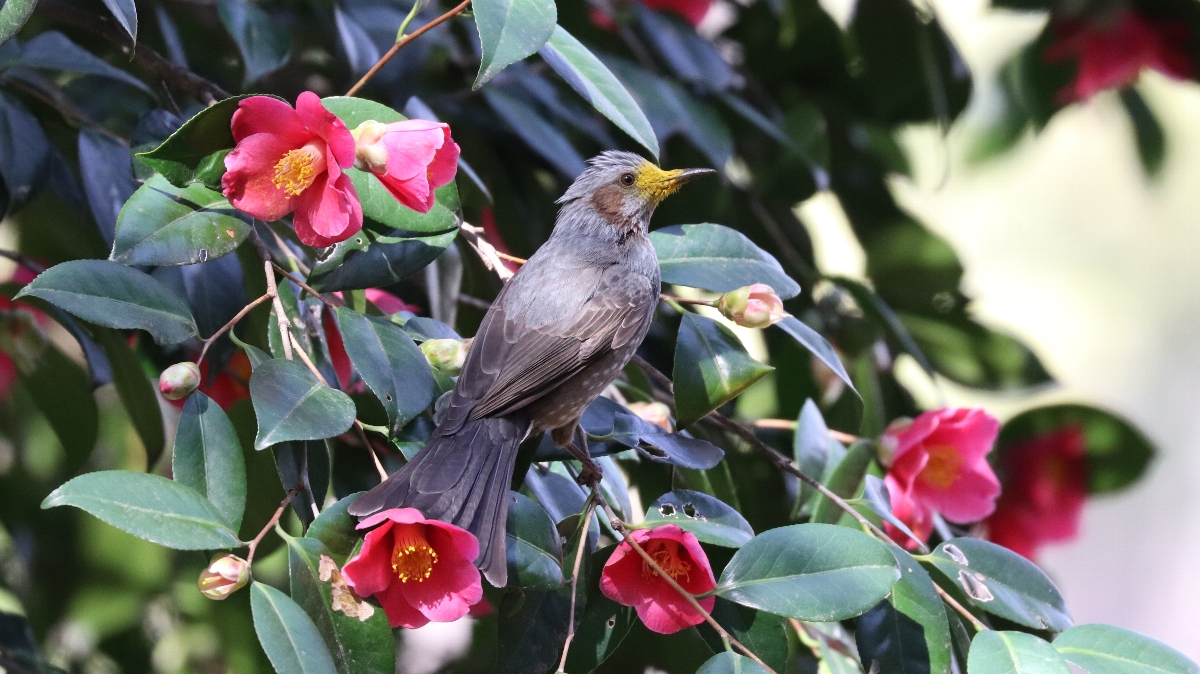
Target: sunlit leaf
165,225
288,636
207,457
292,405
994,652
711,368
510,30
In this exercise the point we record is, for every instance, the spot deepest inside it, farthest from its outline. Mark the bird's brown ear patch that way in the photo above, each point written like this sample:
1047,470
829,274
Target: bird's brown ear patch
608,201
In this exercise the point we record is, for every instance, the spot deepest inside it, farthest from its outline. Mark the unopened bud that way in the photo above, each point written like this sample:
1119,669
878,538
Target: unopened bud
225,575
752,306
370,154
179,380
445,355
21,338
655,413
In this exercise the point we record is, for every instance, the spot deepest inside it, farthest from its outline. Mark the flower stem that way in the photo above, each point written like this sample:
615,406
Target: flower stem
583,536
304,286
253,545
975,622
412,14
362,435
229,326
273,291
403,41
683,300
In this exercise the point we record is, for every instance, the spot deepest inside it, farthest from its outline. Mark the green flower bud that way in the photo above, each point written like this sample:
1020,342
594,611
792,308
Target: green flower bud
179,380
225,575
753,306
445,355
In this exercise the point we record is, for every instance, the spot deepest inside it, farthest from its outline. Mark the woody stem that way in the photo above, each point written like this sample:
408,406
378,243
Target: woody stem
979,626
400,43
253,545
229,326
273,292
684,300
583,526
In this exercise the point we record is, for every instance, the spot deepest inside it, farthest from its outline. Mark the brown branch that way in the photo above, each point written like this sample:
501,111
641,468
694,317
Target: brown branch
362,435
583,536
789,425
404,41
285,331
253,545
979,626
304,286
229,326
305,359
486,251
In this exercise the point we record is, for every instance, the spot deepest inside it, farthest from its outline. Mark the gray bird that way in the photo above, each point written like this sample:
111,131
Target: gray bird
557,335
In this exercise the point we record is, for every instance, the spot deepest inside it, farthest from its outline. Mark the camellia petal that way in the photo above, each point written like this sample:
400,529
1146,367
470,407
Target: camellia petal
629,580
249,172
325,124
265,114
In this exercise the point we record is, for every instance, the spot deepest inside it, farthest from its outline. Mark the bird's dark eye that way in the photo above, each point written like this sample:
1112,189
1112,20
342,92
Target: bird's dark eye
627,179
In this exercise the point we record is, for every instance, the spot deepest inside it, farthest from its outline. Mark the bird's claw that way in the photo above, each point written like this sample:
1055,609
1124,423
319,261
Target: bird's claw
590,475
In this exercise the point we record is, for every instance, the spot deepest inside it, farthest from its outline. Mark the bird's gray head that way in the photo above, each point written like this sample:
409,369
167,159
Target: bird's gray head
623,189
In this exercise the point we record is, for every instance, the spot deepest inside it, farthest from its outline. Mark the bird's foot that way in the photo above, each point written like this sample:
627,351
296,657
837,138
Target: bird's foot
591,474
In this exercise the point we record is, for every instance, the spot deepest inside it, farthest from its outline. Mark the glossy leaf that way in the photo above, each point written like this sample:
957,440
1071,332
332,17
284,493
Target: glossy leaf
104,164
185,152
136,392
763,633
717,258
816,572
115,296
207,457
709,519
598,86
907,633
1002,583
371,260
125,12
994,652
24,149
390,363
730,663
533,628
335,528
165,225
52,50
357,646
603,627
263,41
292,405
810,446
510,30
13,15
1104,649
818,346
611,426
288,636
711,368
533,547
844,481
147,506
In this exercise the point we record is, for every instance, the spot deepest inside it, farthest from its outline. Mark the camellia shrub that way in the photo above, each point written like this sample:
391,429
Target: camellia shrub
300,266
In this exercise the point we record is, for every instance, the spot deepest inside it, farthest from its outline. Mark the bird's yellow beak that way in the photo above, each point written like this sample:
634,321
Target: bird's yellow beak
655,184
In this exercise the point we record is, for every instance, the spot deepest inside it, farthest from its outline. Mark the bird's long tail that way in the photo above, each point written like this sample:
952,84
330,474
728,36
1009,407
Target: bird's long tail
462,479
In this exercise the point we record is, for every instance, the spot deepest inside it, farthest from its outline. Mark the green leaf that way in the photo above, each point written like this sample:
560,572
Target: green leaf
125,11
165,225
370,259
1147,131
544,138
711,368
292,405
602,629
818,346
13,15
845,480
810,446
717,258
1117,453
357,647
709,519
908,632
263,41
208,457
113,295
730,663
377,203
533,547
148,506
763,633
336,529
816,572
136,392
62,392
596,83
390,363
287,634
1002,583
182,157
1104,649
969,353
995,652
510,30
533,628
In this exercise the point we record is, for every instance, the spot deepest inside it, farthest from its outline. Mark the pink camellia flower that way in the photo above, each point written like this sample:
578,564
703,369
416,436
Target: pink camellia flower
1113,50
692,10
420,570
939,464
292,160
1045,487
411,158
628,580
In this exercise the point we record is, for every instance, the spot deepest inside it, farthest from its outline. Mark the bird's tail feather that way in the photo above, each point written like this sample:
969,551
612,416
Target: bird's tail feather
462,479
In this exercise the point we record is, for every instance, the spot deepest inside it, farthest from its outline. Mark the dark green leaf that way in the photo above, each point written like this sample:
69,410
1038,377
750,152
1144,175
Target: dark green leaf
763,633
995,652
287,634
24,150
182,157
126,14
510,30
693,58
390,363
711,368
540,135
592,80
147,506
54,51
1104,649
1003,583
303,465
976,356
871,303
600,632
730,663
1147,131
292,405
104,164
612,427
717,258
371,260
533,547
136,391
810,446
165,225
361,51
816,572
845,480
263,41
336,529
818,346
709,520
208,457
13,15
533,628
62,392
908,632
115,296
357,647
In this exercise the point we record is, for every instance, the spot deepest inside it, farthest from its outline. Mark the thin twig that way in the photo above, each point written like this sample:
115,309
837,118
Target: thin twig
362,434
229,326
486,251
23,261
979,626
473,302
291,493
789,425
273,290
511,258
305,287
403,41
306,360
299,266
684,300
583,536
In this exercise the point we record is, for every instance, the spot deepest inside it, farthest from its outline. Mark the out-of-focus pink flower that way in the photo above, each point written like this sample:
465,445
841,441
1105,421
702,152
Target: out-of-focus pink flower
692,10
1045,487
1112,51
938,463
628,580
292,160
389,303
411,158
21,312
420,570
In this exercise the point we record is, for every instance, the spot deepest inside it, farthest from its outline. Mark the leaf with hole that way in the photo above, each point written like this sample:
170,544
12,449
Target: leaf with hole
166,225
709,519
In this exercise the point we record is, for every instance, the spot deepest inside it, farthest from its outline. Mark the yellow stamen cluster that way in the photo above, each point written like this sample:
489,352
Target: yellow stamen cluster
295,171
412,557
666,555
942,468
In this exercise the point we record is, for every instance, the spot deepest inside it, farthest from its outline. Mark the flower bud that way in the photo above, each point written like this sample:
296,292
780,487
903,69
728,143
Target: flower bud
655,413
179,380
225,575
753,306
370,154
445,355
